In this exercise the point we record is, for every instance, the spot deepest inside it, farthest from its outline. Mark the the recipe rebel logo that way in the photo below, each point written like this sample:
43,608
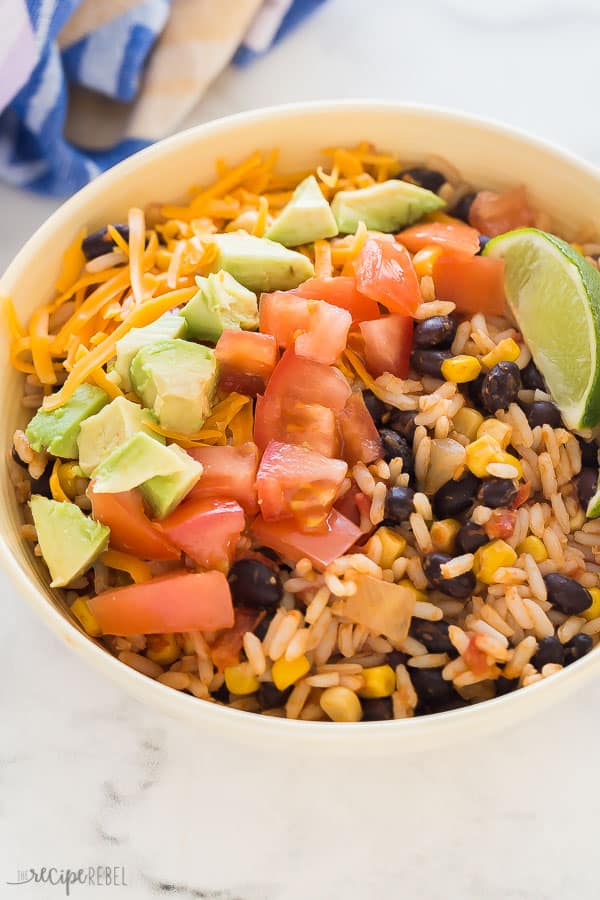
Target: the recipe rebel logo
92,876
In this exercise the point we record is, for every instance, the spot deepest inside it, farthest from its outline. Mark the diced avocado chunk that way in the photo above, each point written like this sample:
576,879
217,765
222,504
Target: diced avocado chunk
221,302
177,379
69,540
111,427
57,430
165,492
383,207
306,218
168,327
138,460
260,264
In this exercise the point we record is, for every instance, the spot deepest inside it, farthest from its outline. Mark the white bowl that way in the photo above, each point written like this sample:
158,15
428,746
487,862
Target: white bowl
487,154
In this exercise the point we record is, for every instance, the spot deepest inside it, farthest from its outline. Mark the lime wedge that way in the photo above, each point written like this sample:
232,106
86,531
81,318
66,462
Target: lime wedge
555,297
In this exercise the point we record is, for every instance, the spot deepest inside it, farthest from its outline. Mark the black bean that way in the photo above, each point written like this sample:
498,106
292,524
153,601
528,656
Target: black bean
542,412
483,240
460,587
566,594
395,445
473,389
221,694
376,407
99,242
263,626
577,647
498,492
456,496
18,459
254,584
550,650
505,685
271,697
586,483
396,658
438,331
532,378
403,421
463,207
501,386
41,485
470,537
426,178
429,362
377,709
268,552
398,504
434,635
433,692
589,453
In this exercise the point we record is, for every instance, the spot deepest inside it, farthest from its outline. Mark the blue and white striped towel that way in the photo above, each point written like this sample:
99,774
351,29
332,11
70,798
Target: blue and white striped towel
135,66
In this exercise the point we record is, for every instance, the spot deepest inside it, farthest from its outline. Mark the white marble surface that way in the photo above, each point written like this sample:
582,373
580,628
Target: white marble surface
88,776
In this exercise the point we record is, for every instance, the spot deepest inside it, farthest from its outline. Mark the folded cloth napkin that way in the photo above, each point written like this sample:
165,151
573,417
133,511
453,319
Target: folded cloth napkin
84,83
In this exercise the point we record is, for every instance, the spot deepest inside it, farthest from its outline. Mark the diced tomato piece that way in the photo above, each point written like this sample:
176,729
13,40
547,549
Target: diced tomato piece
317,329
294,482
361,441
522,495
452,236
228,472
385,273
166,605
283,314
340,291
226,649
388,343
493,213
501,523
130,528
474,283
305,381
321,547
474,656
246,360
207,530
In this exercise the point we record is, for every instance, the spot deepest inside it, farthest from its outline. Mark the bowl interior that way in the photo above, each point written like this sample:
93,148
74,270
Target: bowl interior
486,155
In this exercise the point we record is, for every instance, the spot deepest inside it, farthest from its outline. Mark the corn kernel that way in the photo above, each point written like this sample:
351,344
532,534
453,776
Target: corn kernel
505,351
424,260
481,453
496,429
443,534
68,473
341,704
392,546
461,368
241,679
85,617
419,595
467,422
286,672
491,557
509,460
593,611
535,547
162,648
380,681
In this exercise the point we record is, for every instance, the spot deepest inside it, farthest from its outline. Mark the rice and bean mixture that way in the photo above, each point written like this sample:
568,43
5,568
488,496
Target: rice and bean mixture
474,505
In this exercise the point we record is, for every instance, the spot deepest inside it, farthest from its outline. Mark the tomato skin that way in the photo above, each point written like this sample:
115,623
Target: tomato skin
493,213
451,236
226,649
175,603
305,381
228,472
246,360
361,441
322,547
130,528
385,273
474,283
388,344
294,482
317,329
282,314
340,291
206,530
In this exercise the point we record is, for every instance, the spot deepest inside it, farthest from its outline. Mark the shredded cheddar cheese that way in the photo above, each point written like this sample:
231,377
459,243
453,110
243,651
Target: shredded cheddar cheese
137,237
118,240
261,220
323,261
73,262
124,562
40,345
55,485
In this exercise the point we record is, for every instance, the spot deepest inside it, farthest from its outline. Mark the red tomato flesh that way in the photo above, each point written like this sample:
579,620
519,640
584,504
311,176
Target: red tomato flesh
282,314
474,283
452,236
130,528
304,424
321,547
182,602
385,273
361,441
388,344
339,291
293,482
493,214
318,330
226,649
246,360
228,472
207,530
